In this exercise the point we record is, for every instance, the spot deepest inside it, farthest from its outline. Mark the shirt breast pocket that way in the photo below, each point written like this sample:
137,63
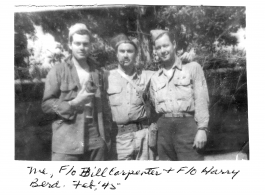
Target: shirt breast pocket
137,98
183,87
161,93
114,93
68,91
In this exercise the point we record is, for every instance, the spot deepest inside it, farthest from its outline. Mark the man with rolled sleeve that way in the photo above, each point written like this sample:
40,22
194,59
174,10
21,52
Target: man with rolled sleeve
125,87
73,93
180,95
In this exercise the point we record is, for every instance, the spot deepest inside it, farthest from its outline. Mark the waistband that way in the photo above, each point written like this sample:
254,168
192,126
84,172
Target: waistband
131,127
177,115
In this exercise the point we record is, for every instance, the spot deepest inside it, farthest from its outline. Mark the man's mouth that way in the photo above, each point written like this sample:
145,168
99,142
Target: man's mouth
126,61
164,55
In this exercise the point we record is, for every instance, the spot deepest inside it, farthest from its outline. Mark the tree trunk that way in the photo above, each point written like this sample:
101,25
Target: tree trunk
144,56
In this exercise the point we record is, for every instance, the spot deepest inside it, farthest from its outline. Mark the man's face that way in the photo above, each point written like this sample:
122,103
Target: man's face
80,46
165,48
126,54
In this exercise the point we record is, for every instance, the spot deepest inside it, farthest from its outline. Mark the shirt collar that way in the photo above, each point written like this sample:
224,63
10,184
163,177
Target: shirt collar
136,74
177,64
90,62
69,61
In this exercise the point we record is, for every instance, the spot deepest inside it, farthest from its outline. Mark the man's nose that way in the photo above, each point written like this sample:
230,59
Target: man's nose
126,54
82,46
162,50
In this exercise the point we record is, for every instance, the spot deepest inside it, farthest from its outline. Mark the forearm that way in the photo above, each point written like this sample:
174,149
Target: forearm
201,112
58,107
201,99
51,102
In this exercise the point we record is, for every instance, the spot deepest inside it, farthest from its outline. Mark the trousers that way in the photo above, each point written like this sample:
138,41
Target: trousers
175,139
131,146
96,150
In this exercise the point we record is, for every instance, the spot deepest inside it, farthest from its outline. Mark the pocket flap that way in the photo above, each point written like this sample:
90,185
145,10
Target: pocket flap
160,86
114,89
160,99
68,86
183,81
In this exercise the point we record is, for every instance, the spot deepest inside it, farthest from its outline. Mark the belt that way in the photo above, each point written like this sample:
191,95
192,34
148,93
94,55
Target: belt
177,115
132,127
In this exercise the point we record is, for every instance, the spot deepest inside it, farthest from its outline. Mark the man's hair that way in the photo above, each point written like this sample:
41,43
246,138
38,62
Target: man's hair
170,35
80,32
135,48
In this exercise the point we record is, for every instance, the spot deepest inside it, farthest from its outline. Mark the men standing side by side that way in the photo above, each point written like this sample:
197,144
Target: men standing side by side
72,92
180,95
125,87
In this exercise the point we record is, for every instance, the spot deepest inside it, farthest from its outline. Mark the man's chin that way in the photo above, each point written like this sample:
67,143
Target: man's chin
80,57
165,59
127,63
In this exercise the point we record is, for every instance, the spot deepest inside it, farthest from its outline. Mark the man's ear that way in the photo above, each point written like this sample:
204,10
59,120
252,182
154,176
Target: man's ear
174,44
116,53
70,45
136,51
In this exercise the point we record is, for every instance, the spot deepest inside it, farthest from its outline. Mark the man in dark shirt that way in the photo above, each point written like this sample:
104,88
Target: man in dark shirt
72,92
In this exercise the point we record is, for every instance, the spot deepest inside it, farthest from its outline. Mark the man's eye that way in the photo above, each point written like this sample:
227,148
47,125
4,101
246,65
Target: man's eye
76,43
85,44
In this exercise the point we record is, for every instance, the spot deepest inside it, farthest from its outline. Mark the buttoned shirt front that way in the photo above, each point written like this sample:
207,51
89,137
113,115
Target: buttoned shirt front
184,91
125,100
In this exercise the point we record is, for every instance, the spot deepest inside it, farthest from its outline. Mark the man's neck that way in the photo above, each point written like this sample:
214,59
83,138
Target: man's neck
127,70
80,63
168,65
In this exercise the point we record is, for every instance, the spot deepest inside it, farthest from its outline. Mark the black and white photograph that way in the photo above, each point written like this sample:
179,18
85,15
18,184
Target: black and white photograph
137,97
131,82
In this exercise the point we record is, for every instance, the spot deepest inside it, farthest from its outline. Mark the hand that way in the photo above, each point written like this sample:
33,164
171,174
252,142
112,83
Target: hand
82,98
200,139
188,56
241,156
91,87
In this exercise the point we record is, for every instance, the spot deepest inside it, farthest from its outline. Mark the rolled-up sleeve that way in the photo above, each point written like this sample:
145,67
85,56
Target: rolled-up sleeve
201,97
51,103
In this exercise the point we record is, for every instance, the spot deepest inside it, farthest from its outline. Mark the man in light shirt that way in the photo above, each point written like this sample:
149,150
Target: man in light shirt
180,96
125,88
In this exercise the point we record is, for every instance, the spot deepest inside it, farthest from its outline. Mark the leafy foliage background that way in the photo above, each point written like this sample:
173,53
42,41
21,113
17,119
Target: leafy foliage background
202,34
199,31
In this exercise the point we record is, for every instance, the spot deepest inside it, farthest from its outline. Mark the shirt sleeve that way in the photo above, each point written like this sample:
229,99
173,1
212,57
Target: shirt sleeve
152,93
201,97
106,106
51,103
